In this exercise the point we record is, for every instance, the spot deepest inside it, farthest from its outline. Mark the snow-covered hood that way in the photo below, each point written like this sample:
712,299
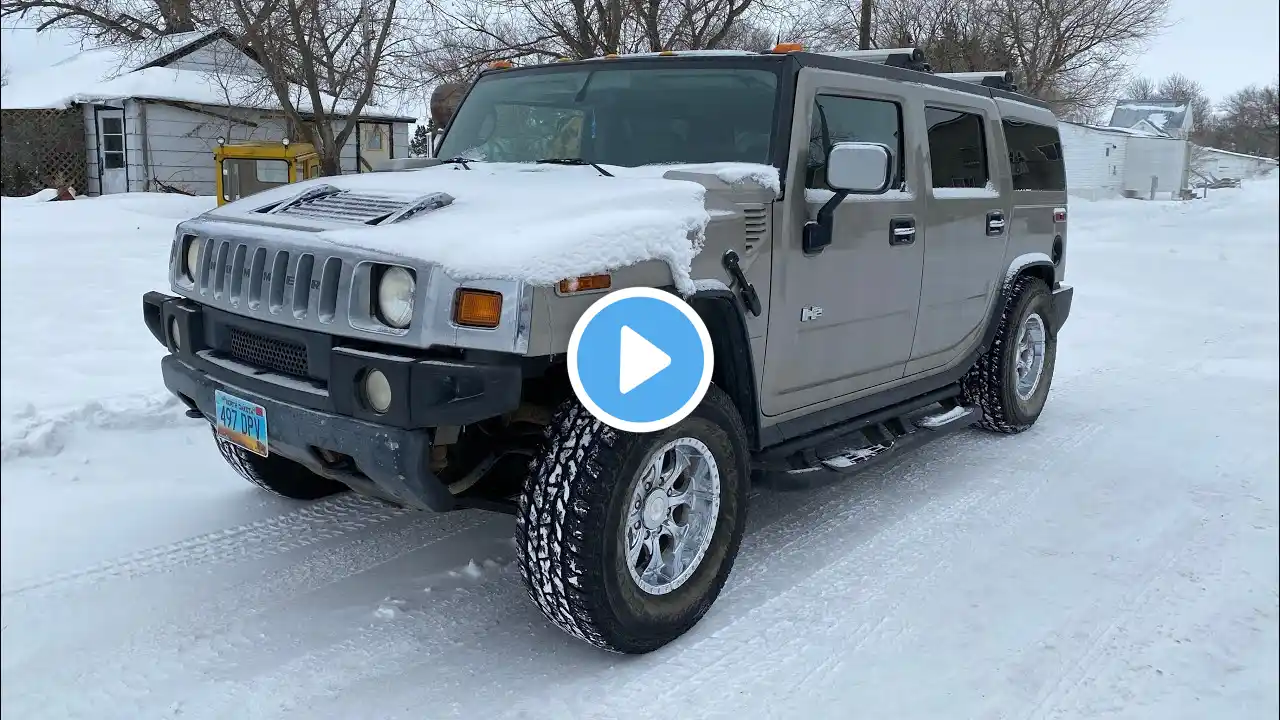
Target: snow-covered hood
536,223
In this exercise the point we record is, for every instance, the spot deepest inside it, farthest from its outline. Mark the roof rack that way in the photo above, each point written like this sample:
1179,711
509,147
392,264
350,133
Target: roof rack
998,79
910,58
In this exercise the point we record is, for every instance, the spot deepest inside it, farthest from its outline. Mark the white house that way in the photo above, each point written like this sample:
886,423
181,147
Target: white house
1212,163
1166,118
152,113
1106,161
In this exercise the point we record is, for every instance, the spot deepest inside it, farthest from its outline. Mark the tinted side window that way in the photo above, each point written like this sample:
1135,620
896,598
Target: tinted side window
957,148
1035,156
847,119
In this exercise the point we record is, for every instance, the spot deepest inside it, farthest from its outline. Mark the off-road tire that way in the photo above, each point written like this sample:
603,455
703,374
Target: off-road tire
568,528
991,383
276,474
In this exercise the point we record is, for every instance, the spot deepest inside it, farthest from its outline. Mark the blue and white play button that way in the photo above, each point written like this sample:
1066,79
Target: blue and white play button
640,359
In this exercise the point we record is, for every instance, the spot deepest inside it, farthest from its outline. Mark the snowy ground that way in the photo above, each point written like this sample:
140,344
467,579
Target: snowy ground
1119,560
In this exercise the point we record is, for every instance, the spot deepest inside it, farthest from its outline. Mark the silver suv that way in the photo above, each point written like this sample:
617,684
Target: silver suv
887,269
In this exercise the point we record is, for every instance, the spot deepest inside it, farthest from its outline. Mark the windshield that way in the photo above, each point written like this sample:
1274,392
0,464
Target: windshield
618,116
245,176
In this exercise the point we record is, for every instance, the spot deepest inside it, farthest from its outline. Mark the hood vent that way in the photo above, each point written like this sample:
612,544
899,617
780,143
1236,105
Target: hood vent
757,224
326,202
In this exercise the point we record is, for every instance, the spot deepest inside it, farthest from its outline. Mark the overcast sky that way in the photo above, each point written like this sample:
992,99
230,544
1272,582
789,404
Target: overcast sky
1224,44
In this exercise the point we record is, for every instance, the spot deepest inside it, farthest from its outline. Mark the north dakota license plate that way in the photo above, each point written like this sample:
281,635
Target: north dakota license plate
242,422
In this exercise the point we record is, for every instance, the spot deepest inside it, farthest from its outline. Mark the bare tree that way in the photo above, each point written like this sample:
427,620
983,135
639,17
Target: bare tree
1250,121
1140,88
466,35
323,59
112,21
1182,89
1065,53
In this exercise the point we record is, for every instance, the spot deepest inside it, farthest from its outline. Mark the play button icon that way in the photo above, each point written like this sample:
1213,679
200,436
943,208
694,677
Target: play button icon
640,359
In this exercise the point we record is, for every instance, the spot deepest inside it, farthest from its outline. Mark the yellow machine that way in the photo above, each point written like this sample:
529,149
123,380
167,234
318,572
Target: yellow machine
248,167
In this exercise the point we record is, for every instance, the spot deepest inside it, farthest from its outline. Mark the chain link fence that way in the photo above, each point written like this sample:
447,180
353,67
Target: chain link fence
42,149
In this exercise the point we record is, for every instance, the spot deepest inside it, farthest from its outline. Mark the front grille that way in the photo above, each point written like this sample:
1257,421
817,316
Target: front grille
282,356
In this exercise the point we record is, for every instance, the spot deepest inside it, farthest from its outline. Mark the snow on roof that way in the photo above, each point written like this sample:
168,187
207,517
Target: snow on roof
117,72
1116,130
1241,155
1162,115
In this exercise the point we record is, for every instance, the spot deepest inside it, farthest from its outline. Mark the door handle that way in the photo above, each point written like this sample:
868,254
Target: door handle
995,223
902,231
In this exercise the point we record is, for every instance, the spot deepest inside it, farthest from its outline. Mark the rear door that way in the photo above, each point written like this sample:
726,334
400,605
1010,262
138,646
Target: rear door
1038,224
968,207
843,320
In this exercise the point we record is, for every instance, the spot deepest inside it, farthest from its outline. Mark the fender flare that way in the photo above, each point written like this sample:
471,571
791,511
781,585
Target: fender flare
721,311
1035,263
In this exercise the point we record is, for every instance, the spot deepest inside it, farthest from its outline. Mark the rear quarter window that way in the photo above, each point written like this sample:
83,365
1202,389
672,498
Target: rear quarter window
1035,156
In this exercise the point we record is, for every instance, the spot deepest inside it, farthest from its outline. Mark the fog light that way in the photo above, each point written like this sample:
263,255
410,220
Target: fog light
174,335
377,391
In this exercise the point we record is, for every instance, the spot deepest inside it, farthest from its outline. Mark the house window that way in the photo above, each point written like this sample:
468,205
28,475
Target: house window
957,148
113,143
846,119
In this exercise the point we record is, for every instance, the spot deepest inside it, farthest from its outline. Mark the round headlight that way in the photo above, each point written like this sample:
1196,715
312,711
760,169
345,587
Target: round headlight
395,297
192,259
175,334
377,391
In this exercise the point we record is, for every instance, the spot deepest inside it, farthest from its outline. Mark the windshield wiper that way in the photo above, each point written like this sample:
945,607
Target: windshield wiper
574,161
459,161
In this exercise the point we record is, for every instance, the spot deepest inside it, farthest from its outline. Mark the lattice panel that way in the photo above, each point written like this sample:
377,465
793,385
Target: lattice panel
42,149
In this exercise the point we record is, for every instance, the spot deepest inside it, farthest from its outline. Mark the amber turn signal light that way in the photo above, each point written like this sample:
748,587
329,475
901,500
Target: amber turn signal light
477,308
585,283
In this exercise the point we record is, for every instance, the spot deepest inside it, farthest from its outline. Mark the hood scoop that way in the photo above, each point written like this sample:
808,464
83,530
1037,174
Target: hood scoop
326,202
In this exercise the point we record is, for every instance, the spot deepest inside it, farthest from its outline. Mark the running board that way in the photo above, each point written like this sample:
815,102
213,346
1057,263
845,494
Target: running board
862,448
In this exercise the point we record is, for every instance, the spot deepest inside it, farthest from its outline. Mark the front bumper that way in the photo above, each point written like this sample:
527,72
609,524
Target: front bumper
383,454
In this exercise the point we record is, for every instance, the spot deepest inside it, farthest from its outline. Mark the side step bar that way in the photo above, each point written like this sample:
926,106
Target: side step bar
832,459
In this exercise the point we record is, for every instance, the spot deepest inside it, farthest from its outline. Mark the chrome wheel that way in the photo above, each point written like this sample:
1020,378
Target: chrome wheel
671,515
1029,361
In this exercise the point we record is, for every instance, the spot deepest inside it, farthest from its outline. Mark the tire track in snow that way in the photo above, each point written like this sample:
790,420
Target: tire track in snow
929,525
1137,596
437,629
318,522
766,549
171,650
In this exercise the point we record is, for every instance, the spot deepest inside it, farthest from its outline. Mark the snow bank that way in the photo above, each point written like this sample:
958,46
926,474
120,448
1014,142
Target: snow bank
42,196
75,352
539,224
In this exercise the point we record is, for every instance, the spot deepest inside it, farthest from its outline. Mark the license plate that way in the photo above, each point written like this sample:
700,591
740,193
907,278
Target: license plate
242,422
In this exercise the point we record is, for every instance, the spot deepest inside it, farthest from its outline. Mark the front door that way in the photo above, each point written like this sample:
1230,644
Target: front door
375,145
112,175
969,214
842,320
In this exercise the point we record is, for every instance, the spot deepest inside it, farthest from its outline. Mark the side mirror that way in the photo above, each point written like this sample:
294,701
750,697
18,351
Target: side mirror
852,168
859,168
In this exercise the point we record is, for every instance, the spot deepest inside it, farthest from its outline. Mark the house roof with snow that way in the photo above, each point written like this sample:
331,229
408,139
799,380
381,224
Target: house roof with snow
1130,132
1160,117
142,71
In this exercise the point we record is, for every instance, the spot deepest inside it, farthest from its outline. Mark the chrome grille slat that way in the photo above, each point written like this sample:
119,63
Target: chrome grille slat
237,274
279,269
